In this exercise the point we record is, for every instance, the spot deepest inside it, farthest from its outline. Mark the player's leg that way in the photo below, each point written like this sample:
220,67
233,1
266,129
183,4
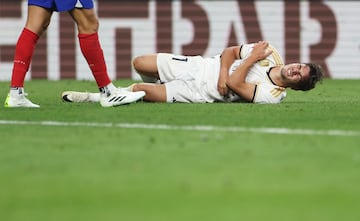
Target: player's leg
146,67
80,97
170,92
87,23
154,92
38,19
165,67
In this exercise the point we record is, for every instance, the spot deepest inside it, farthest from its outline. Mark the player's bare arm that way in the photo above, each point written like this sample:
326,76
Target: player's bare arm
228,56
236,81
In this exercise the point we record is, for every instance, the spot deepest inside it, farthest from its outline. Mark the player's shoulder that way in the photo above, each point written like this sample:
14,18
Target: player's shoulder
275,56
274,59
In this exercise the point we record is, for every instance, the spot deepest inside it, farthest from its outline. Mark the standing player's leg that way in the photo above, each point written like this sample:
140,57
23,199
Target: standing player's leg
88,24
38,19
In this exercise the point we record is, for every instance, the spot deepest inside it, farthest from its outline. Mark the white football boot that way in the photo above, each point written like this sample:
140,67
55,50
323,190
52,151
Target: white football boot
19,99
79,97
120,96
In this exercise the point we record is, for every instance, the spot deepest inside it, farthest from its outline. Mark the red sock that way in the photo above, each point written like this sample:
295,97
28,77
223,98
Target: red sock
91,49
23,54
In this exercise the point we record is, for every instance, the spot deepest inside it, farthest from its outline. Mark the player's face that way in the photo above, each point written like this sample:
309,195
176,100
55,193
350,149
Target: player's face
295,73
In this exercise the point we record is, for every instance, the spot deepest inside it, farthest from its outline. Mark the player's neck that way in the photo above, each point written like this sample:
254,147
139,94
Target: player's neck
275,76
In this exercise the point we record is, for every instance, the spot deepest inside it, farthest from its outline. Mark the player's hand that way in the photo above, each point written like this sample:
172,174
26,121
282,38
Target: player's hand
221,85
222,88
260,50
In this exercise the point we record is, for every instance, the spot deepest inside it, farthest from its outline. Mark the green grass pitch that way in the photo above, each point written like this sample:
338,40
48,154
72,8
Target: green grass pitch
299,160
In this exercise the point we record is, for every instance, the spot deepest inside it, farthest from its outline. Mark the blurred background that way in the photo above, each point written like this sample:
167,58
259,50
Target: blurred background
325,32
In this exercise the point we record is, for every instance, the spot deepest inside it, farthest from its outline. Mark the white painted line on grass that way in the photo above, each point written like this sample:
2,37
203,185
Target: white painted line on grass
267,130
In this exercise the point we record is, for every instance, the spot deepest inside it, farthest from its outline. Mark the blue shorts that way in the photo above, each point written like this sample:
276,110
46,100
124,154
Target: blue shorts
62,5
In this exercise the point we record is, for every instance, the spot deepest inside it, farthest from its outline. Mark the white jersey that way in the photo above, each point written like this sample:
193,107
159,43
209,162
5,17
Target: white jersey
194,78
266,91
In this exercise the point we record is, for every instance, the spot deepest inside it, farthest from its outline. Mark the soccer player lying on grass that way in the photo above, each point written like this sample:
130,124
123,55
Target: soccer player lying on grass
248,73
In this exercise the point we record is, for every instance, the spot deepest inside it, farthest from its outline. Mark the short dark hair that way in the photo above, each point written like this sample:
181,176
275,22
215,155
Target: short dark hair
316,74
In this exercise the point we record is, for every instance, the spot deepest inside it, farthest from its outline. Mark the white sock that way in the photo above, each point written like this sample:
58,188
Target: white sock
94,97
16,91
108,89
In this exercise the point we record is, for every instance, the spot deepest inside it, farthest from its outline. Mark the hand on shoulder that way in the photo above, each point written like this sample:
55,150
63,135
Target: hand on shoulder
260,50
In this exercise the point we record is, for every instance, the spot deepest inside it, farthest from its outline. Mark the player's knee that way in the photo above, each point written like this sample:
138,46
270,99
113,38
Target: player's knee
45,26
146,65
87,24
91,27
138,64
38,28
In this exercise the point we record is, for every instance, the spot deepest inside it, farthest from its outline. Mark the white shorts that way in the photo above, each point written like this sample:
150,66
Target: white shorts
179,73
